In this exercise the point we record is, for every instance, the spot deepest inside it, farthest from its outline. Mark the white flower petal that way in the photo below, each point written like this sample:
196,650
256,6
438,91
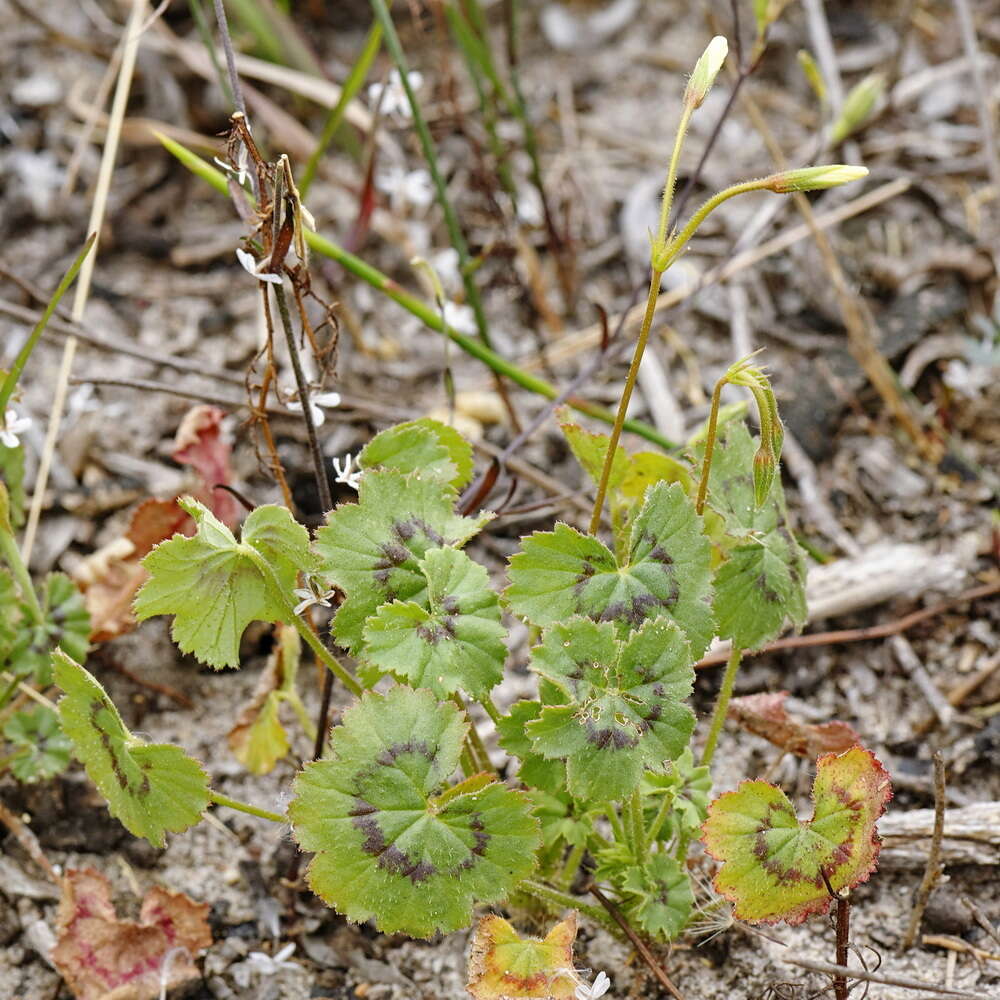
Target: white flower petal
247,261
327,399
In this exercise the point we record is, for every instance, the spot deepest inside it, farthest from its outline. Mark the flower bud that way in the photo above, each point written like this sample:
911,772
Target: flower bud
814,178
765,467
706,69
858,106
812,73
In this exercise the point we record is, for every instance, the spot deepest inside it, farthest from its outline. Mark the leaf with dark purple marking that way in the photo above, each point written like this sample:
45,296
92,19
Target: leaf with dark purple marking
150,787
393,842
455,642
773,863
664,572
427,447
372,549
626,710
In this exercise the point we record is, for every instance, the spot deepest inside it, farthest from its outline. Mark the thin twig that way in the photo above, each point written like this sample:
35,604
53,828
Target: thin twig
859,634
907,658
644,953
933,870
880,977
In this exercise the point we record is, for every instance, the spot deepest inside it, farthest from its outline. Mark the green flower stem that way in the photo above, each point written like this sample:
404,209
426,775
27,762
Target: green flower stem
659,819
664,256
302,627
224,800
558,900
356,77
572,866
490,708
8,691
638,828
616,823
295,701
10,382
620,422
392,43
721,704
706,464
668,188
12,556
428,314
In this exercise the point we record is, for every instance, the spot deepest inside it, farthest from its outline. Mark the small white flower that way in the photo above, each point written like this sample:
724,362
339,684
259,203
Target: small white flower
268,965
309,598
597,989
394,101
12,426
460,318
250,265
344,474
317,404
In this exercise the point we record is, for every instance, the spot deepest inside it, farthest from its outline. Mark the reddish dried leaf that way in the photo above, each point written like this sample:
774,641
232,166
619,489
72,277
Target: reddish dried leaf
200,444
104,958
765,715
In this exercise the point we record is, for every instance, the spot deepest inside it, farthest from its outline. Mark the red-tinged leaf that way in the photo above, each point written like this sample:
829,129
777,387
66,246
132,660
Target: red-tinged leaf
503,966
199,443
773,864
765,715
104,958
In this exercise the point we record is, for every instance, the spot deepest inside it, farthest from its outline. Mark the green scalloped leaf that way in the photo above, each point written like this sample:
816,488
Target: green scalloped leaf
761,583
12,474
66,627
150,787
212,585
773,863
665,572
455,642
372,549
535,771
661,898
688,787
42,750
392,843
626,708
425,446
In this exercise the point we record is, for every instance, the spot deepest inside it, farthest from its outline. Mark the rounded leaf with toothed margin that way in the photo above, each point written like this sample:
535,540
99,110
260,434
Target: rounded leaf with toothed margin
214,586
150,787
773,863
660,896
626,708
372,549
391,844
425,446
456,642
665,572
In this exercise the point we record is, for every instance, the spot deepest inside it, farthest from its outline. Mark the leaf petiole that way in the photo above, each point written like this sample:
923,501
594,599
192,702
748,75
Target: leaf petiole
224,800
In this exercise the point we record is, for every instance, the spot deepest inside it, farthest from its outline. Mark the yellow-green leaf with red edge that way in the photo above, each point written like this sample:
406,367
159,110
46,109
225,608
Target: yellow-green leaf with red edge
773,864
503,966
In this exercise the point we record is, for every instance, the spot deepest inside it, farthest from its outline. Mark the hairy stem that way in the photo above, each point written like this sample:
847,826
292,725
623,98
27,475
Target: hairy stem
571,866
721,705
638,827
224,800
706,464
563,901
617,826
659,819
12,556
619,424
